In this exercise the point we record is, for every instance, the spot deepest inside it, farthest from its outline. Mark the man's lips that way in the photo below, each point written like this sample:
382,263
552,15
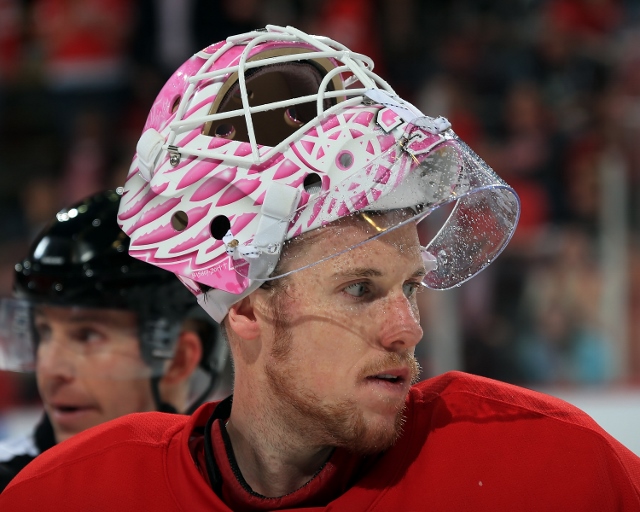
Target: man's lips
61,410
391,375
69,408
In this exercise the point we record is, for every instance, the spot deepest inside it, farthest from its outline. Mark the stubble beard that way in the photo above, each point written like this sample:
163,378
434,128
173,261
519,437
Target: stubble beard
338,424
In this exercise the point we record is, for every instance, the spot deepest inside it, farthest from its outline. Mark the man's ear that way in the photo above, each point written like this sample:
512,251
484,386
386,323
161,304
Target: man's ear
186,358
242,318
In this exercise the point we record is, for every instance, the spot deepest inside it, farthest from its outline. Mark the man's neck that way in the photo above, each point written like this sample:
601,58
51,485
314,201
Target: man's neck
272,461
274,458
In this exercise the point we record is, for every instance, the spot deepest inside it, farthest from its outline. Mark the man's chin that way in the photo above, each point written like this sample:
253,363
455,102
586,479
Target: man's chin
62,435
376,433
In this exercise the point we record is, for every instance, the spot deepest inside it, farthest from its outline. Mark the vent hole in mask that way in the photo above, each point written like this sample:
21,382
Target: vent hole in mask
225,131
237,97
175,104
312,183
291,118
220,225
179,221
345,160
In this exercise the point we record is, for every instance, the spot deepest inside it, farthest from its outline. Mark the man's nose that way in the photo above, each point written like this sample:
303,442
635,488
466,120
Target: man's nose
55,358
399,323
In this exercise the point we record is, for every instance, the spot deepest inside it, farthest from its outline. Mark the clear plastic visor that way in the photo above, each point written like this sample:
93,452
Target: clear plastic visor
470,214
70,341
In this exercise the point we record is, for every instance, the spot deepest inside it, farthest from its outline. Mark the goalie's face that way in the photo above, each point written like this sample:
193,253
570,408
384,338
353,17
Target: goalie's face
341,358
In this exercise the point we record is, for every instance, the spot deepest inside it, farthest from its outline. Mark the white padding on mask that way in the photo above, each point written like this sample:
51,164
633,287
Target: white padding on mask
149,148
280,202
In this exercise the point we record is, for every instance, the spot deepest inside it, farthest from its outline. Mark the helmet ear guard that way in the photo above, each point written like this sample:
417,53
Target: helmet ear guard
278,133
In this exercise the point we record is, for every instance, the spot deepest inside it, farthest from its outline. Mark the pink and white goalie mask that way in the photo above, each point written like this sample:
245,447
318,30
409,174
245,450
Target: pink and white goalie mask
270,134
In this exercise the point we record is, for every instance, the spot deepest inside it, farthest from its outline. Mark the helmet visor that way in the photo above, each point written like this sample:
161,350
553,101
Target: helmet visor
471,213
70,341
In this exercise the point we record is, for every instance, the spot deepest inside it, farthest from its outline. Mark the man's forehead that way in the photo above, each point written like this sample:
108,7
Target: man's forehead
354,244
77,314
354,230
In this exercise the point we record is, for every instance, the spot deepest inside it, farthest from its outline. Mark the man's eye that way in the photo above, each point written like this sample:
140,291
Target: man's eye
410,289
43,332
87,336
357,289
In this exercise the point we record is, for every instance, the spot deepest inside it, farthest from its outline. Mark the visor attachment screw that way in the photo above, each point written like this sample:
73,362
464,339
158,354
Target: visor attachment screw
272,248
174,158
404,146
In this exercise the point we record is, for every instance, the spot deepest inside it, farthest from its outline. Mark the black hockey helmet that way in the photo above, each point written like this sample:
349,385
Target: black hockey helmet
81,259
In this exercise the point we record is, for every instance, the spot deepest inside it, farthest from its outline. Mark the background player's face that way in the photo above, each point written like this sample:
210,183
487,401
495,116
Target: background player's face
89,368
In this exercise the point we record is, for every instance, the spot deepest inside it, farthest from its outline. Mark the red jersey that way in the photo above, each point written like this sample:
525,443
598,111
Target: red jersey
469,443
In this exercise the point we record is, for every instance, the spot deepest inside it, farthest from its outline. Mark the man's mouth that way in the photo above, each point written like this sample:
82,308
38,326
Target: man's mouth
67,408
391,376
63,410
387,377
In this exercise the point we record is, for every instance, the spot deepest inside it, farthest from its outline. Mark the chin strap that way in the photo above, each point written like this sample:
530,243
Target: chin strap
161,406
213,377
222,413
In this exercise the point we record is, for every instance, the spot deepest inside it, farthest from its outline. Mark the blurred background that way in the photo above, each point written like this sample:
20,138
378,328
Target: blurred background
546,91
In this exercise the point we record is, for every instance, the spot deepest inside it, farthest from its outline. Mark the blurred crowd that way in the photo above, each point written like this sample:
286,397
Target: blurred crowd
547,92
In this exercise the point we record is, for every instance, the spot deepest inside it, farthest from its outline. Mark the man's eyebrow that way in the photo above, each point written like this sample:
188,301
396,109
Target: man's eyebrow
359,272
87,315
372,272
421,272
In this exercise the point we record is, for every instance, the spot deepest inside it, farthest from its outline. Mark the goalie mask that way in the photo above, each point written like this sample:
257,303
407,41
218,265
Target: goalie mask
267,135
